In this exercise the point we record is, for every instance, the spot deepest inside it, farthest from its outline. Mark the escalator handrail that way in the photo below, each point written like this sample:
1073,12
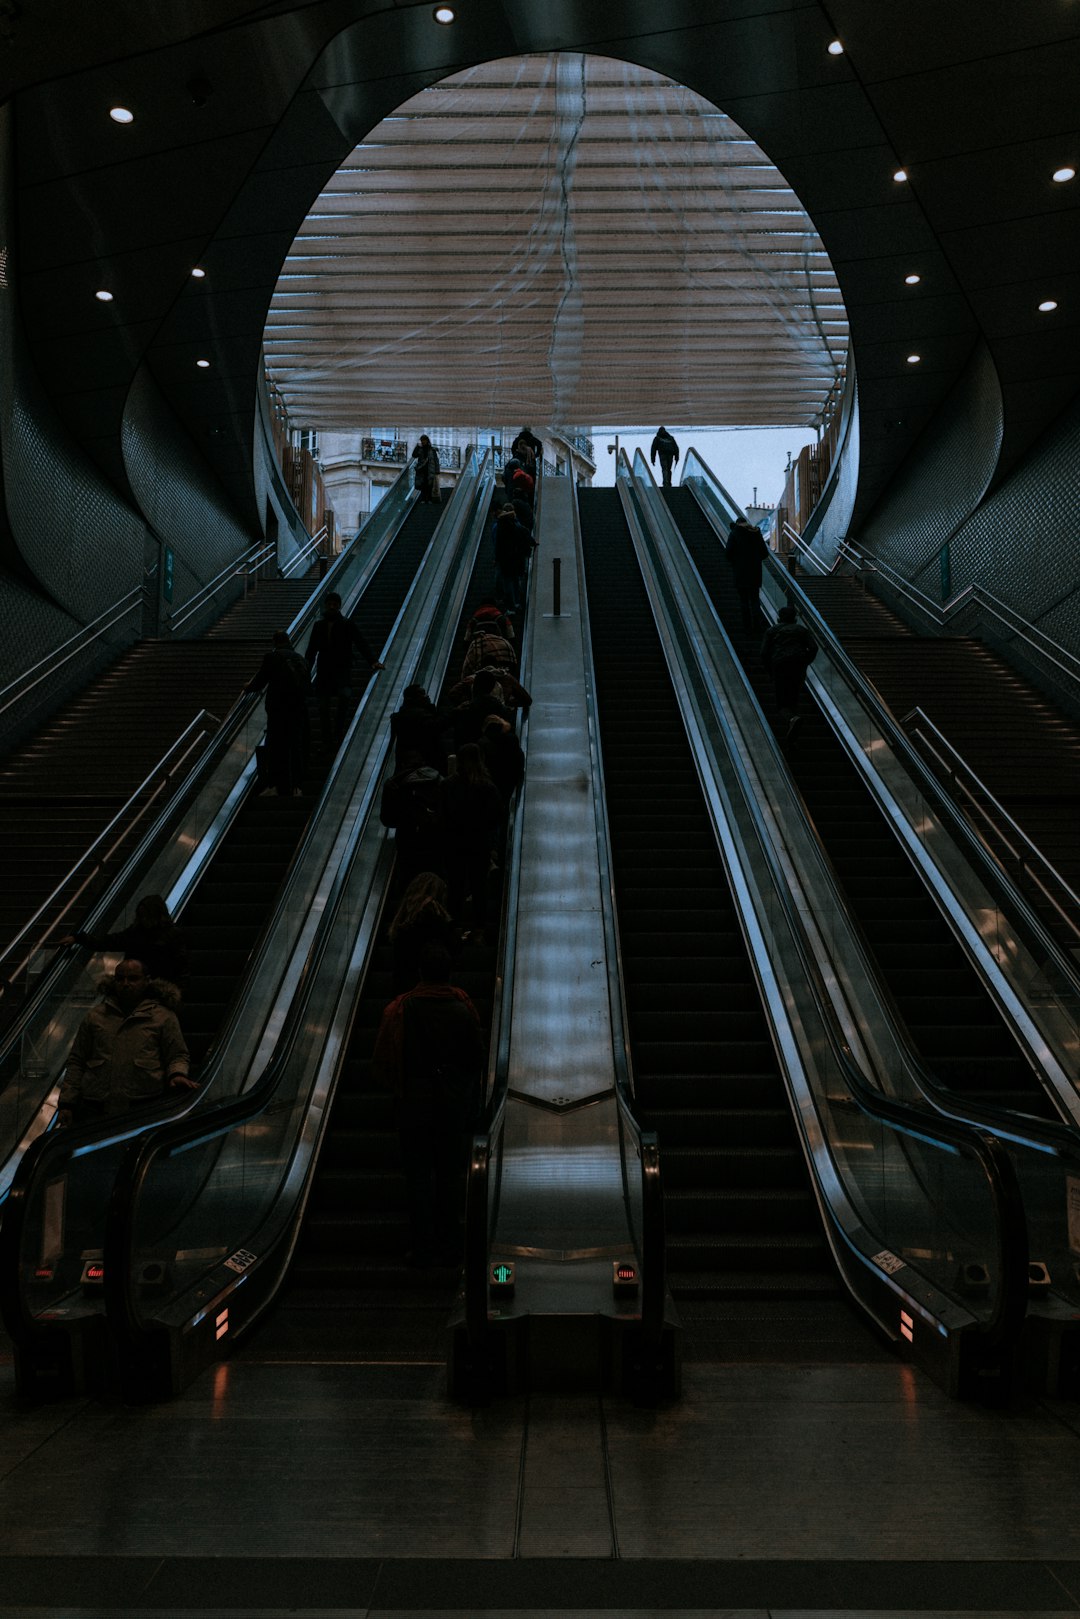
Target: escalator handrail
125,1320
1024,1130
945,1133
481,1198
128,877
653,1244
47,1152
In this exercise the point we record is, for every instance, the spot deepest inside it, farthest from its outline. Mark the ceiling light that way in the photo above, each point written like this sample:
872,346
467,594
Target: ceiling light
203,365
1061,175
121,115
912,280
900,174
198,274
913,359
1047,305
103,296
835,48
443,14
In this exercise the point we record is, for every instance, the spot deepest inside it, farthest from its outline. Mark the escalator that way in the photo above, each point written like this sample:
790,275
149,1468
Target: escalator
233,885
953,1024
207,1202
224,917
742,1223
355,1231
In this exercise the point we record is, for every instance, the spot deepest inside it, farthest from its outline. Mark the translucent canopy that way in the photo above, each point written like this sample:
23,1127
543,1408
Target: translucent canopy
563,239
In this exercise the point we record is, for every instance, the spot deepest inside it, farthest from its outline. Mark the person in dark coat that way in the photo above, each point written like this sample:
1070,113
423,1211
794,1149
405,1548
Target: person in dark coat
502,755
416,728
787,652
412,805
283,676
483,700
664,446
426,474
511,693
746,550
152,938
513,547
472,816
422,918
430,1052
527,441
335,641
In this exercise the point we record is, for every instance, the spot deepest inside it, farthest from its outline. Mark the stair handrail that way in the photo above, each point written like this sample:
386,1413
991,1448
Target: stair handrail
1028,856
86,636
174,758
305,552
973,595
241,567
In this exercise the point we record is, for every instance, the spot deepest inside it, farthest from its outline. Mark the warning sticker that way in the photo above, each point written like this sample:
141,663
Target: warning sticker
240,1260
889,1263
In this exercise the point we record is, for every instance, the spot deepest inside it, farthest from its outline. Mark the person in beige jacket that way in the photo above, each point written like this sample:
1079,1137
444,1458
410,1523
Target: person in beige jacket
129,1049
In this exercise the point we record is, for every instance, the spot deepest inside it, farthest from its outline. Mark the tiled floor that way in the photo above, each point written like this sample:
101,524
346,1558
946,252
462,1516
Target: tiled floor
301,1482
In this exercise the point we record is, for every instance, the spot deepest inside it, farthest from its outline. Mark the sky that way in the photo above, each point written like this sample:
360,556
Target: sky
740,456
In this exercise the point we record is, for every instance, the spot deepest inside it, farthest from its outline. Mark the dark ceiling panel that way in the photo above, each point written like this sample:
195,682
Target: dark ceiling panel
894,231
983,103
152,200
944,32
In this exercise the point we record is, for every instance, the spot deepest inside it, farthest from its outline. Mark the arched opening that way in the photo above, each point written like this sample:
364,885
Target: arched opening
562,239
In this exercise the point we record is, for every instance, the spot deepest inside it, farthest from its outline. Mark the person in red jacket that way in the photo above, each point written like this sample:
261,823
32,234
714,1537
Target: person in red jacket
430,1052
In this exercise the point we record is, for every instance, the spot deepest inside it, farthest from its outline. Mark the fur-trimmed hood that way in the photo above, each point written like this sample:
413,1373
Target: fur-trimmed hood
161,990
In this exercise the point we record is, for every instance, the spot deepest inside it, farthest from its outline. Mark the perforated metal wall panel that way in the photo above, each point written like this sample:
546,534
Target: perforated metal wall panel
1023,544
71,530
943,478
184,503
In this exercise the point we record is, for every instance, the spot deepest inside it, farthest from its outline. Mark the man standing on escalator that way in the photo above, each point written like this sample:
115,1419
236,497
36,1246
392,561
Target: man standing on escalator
430,1052
335,640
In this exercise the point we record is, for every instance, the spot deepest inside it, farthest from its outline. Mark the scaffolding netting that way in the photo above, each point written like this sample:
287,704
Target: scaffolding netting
565,239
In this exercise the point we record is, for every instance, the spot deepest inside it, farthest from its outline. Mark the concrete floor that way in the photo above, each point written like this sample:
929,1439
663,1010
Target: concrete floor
323,1472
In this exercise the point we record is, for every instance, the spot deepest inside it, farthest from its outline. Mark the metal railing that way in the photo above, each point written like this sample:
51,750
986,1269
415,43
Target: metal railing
308,553
94,860
1028,859
973,600
47,666
245,566
392,452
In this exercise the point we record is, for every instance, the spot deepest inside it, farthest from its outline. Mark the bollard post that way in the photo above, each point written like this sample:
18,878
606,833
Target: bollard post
556,585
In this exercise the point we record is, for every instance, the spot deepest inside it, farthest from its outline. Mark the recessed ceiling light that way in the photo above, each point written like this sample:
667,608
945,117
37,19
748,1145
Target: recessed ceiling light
913,359
103,296
198,274
835,48
443,14
900,174
121,115
1061,175
912,280
203,365
1047,305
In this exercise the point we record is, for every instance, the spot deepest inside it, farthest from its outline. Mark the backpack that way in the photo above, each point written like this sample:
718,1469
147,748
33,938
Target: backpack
410,801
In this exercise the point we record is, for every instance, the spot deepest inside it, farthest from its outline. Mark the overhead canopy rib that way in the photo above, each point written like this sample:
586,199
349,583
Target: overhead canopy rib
564,239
